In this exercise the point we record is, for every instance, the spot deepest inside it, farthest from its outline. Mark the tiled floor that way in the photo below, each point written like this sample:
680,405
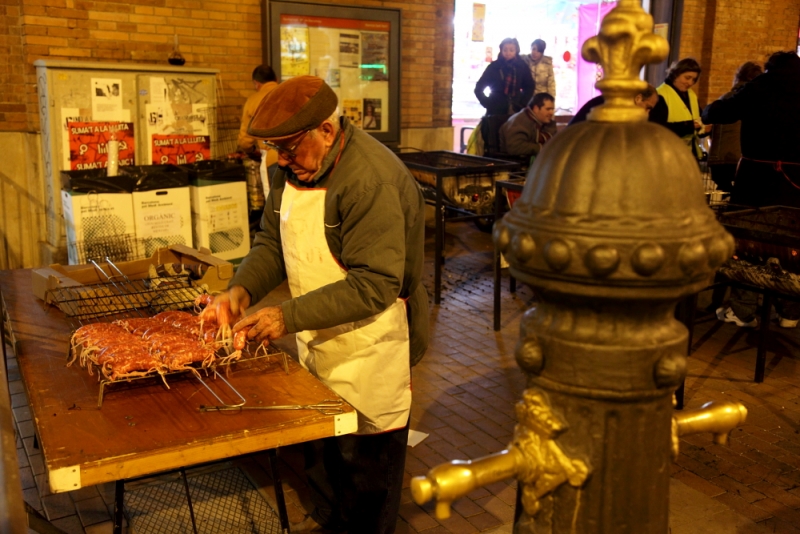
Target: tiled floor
464,391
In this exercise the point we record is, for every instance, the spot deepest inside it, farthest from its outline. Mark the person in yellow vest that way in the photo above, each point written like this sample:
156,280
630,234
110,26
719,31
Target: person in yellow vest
264,82
683,116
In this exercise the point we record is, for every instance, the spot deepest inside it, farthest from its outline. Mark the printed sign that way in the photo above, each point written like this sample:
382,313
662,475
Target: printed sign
180,149
88,144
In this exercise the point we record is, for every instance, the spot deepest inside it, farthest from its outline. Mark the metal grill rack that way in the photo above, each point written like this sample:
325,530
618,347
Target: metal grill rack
118,247
121,297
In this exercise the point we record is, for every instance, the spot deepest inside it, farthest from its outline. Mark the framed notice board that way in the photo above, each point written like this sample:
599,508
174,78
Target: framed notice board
355,50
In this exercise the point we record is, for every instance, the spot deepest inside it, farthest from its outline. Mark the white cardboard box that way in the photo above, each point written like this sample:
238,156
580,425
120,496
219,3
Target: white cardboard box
99,225
220,218
162,217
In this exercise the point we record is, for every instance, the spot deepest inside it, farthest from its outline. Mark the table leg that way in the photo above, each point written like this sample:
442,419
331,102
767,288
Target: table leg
512,283
119,499
3,331
189,500
496,311
763,336
279,499
438,244
685,313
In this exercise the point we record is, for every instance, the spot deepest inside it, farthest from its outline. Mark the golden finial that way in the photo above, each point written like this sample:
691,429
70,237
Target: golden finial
625,43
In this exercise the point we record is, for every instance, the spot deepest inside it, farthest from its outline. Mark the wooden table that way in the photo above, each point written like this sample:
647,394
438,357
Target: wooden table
145,428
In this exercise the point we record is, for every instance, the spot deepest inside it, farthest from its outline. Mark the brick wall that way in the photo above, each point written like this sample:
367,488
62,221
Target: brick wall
221,34
723,34
12,83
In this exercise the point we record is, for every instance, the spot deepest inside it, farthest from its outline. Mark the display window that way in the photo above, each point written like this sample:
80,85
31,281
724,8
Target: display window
563,25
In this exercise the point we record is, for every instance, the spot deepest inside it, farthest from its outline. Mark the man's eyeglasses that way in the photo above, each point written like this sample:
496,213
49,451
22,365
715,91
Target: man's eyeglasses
286,152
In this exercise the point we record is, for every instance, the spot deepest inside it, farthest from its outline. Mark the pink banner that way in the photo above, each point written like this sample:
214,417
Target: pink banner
589,18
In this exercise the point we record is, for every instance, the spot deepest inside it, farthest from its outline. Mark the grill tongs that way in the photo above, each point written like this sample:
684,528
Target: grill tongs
326,407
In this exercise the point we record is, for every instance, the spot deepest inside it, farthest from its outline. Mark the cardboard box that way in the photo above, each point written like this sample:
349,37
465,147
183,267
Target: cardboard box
99,225
78,278
162,218
220,217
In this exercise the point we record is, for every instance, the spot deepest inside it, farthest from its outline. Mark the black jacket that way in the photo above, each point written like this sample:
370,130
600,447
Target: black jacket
494,77
769,108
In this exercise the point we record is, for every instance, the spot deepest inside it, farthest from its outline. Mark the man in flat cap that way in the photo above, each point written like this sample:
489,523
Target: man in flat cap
344,222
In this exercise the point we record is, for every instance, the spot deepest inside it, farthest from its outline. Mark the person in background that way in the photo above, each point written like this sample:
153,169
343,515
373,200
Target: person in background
264,82
725,151
769,110
345,223
541,68
526,131
683,116
768,173
649,100
508,80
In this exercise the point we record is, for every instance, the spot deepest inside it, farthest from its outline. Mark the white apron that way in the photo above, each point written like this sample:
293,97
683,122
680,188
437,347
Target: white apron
366,362
262,169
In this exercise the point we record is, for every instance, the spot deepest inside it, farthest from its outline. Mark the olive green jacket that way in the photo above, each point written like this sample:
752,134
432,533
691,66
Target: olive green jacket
375,228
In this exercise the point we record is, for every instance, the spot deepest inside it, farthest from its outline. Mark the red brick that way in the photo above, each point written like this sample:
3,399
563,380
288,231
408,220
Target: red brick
457,524
484,521
779,494
416,517
737,488
700,484
740,506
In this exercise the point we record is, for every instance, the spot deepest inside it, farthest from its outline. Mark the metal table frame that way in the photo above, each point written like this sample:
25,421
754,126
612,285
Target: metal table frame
441,213
499,187
686,314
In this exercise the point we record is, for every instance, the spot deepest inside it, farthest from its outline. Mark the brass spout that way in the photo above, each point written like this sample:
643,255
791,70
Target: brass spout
719,418
447,482
533,457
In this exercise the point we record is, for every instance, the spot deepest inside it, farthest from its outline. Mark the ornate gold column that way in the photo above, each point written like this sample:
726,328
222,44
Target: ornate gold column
611,230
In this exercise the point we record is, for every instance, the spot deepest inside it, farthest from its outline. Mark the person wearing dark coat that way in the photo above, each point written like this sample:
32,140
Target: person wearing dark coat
769,169
726,149
525,132
509,80
653,103
769,108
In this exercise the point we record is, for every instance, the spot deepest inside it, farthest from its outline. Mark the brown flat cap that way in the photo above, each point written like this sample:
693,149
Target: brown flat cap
296,105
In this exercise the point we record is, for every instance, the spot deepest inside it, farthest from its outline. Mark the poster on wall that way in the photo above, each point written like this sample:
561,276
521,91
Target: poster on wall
88,144
375,56
180,149
352,110
478,19
353,55
349,46
372,114
178,109
294,51
106,99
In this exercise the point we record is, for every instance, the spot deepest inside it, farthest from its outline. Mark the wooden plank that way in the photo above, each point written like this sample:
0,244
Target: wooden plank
143,427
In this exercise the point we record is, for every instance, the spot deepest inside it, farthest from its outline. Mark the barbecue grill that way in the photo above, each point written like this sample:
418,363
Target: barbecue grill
767,248
121,297
461,187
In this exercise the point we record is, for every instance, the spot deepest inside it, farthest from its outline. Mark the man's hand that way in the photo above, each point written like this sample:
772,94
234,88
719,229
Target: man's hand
236,299
265,325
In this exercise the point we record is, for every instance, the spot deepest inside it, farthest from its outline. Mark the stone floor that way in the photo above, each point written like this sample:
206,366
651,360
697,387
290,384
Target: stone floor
464,392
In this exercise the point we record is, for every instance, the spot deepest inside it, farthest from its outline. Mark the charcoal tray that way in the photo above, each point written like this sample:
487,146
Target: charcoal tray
769,232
